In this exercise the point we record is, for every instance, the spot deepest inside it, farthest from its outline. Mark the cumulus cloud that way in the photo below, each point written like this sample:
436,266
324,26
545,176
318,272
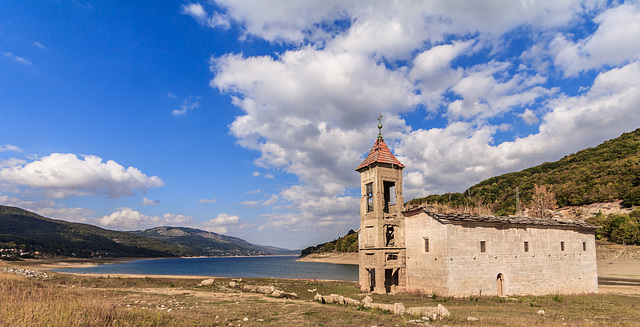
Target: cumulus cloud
148,202
272,200
64,174
11,162
202,201
310,109
223,224
614,42
49,209
129,219
452,158
484,95
529,117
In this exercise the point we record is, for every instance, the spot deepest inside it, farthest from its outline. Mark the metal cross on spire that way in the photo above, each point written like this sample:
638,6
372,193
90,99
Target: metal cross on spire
380,125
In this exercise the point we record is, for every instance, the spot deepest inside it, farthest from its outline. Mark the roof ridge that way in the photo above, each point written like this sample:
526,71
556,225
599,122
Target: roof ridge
380,153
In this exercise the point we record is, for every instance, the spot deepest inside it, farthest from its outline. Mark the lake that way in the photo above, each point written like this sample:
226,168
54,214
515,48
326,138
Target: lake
270,266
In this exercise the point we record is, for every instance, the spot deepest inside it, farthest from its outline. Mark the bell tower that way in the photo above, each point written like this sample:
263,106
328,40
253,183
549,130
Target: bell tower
381,241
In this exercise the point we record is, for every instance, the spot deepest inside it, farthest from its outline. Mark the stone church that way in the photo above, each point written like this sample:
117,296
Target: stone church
414,249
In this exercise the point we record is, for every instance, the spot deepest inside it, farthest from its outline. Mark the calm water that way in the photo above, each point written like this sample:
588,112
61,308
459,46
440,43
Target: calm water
275,266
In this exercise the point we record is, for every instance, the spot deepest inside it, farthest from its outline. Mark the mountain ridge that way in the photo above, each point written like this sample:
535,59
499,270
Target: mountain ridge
20,228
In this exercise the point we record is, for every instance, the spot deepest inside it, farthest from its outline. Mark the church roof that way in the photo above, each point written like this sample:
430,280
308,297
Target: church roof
513,220
380,153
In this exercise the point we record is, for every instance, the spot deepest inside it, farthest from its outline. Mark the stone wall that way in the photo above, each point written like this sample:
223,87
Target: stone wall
455,265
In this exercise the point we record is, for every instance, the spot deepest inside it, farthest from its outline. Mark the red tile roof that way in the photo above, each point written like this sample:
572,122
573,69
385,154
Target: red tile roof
380,153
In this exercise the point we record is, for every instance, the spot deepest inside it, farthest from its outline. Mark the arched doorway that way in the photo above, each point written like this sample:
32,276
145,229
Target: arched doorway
500,285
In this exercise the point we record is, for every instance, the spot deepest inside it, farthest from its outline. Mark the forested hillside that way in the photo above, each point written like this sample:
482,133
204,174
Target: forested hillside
25,232
347,243
32,232
211,244
608,172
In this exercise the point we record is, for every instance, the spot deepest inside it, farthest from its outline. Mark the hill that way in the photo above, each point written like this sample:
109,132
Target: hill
605,173
22,229
347,243
208,243
33,232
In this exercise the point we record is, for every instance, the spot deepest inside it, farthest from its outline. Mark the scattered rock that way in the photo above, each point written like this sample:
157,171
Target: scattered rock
472,319
207,282
233,284
541,312
25,272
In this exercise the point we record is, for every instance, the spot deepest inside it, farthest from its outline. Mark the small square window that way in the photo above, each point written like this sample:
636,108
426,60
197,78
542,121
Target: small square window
526,246
483,246
426,244
561,246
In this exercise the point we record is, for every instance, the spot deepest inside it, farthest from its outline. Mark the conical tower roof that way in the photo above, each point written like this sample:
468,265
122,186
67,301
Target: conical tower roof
380,153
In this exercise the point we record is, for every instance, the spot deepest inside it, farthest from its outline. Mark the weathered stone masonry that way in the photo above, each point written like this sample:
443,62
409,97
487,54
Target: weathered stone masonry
414,249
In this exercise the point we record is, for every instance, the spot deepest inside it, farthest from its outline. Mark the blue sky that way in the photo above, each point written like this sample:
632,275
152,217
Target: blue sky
248,118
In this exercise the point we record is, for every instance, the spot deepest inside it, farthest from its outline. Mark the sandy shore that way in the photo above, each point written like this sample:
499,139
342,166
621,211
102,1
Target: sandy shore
337,258
64,263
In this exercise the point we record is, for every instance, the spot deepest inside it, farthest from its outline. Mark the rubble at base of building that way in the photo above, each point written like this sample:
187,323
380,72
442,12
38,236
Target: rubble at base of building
433,313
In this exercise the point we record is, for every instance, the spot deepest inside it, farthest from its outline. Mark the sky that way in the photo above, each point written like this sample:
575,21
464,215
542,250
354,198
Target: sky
248,118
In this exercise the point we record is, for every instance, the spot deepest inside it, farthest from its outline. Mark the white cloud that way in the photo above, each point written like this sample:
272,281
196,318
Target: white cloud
49,209
76,214
18,59
614,42
253,192
202,201
452,158
197,12
271,200
147,202
188,104
486,93
129,219
11,162
249,203
310,110
529,117
222,224
40,45
9,147
64,174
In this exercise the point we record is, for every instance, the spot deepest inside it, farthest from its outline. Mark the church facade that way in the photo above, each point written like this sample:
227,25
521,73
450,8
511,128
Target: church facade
415,249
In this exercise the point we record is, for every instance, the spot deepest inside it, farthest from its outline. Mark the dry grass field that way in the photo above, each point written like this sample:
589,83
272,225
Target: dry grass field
76,300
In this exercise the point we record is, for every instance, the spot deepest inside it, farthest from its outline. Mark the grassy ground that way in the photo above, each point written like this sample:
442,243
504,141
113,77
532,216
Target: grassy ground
67,300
